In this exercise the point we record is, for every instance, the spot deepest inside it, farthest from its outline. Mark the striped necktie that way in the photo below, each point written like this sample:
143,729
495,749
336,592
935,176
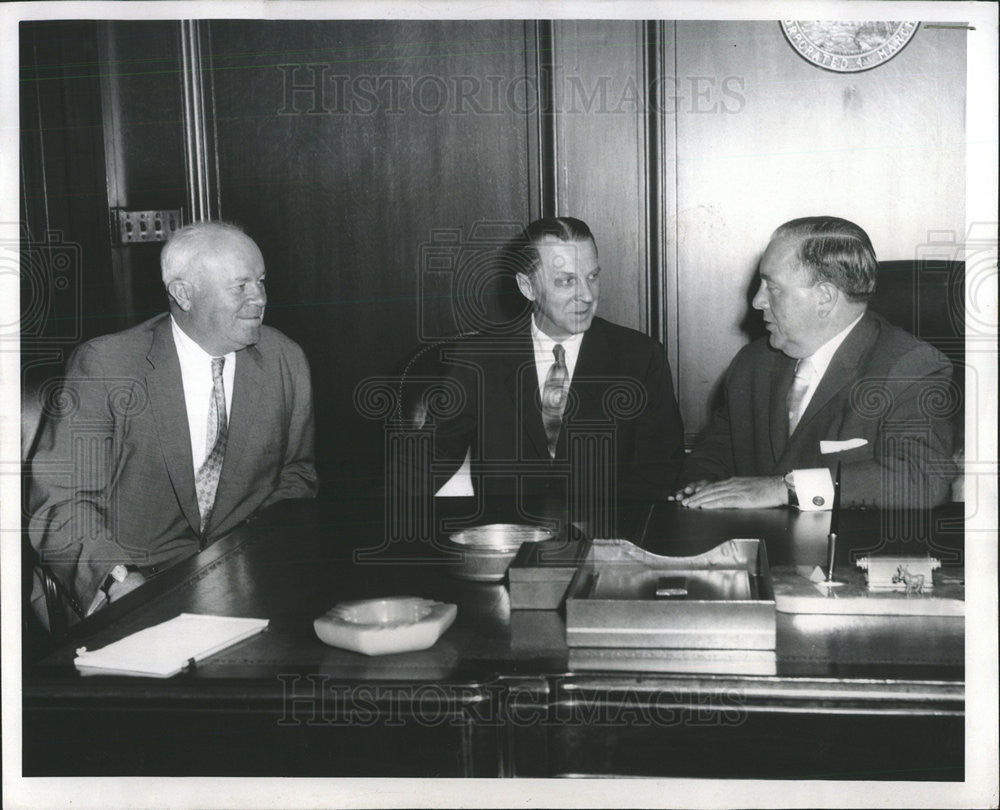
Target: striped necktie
554,398
207,480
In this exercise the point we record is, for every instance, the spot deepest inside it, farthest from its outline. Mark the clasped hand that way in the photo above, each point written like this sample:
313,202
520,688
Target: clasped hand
734,493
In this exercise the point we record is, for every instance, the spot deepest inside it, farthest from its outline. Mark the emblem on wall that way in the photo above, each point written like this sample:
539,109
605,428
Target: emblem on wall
848,46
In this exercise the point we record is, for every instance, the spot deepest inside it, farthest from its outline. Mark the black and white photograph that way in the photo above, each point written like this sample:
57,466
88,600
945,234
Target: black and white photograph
519,405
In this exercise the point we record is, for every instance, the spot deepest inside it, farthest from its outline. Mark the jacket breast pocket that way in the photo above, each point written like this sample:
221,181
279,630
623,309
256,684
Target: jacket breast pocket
848,453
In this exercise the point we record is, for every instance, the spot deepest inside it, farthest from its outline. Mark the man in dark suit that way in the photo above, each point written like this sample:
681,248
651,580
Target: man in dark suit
833,383
566,402
172,433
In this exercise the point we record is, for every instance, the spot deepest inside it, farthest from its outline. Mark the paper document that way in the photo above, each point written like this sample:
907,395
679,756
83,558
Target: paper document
165,649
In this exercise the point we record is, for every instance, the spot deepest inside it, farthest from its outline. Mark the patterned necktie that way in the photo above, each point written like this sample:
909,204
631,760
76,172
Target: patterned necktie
554,398
804,373
207,479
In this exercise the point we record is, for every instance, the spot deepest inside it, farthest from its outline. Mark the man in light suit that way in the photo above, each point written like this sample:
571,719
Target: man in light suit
566,402
832,384
174,432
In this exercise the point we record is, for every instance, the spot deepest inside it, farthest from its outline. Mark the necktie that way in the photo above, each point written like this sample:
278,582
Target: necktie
554,398
804,373
207,479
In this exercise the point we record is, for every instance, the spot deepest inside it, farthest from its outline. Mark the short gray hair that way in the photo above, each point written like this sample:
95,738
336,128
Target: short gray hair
187,247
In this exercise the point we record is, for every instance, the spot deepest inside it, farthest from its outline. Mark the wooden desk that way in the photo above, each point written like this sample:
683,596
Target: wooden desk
851,698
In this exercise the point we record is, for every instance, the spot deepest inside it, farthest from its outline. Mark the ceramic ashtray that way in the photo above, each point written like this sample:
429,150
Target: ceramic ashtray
392,624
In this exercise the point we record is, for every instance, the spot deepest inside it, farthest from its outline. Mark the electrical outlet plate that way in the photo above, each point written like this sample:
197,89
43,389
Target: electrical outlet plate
131,227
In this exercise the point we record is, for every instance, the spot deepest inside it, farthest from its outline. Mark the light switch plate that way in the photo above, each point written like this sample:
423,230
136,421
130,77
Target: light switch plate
131,227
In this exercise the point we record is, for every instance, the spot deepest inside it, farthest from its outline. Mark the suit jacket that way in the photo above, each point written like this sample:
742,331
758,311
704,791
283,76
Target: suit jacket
113,478
883,386
621,435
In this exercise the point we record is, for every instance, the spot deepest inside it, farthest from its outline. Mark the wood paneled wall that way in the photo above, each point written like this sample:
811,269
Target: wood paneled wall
67,290
140,75
601,152
379,166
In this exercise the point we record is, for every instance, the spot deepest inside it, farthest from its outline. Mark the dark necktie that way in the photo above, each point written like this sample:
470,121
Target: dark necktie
804,373
554,398
207,480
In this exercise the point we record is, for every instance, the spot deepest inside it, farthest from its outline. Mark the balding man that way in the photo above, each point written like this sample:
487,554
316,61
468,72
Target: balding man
173,432
831,384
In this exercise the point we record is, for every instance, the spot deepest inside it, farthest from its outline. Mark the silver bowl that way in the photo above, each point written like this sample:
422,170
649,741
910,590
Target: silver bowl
487,551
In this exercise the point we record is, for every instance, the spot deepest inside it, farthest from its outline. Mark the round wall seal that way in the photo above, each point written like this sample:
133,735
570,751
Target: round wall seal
848,46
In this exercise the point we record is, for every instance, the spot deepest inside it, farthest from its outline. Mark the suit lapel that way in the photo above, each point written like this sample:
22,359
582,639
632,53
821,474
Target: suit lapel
782,375
248,385
166,398
843,368
590,377
522,387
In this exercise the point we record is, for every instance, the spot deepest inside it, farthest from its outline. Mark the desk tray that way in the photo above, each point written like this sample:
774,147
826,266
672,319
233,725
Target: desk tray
541,572
623,596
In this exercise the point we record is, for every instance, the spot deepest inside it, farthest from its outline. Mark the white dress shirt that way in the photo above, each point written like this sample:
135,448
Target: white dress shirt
545,359
814,488
196,376
460,484
821,358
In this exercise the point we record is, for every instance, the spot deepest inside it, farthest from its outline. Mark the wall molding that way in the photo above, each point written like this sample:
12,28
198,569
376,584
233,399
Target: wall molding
201,162
546,119
653,51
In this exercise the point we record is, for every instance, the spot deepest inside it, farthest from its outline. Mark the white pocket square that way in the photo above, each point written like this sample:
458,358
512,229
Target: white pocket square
840,447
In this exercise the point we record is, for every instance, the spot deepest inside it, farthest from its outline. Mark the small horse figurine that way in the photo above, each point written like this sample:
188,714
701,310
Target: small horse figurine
914,582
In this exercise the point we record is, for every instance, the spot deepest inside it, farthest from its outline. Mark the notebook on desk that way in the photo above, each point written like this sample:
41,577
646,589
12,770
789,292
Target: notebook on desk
165,649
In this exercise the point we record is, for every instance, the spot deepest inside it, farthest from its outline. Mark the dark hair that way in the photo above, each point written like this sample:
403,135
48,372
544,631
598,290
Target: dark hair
835,250
565,229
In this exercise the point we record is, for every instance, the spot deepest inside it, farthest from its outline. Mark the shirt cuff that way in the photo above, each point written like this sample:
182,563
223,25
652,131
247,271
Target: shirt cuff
813,489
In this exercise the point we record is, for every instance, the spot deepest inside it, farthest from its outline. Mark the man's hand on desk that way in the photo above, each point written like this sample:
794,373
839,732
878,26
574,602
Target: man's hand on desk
734,493
687,491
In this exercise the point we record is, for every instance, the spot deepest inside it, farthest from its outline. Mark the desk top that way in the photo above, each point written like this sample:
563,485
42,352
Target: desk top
300,558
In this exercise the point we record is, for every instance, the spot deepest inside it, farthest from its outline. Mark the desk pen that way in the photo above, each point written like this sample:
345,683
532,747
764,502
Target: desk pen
834,524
